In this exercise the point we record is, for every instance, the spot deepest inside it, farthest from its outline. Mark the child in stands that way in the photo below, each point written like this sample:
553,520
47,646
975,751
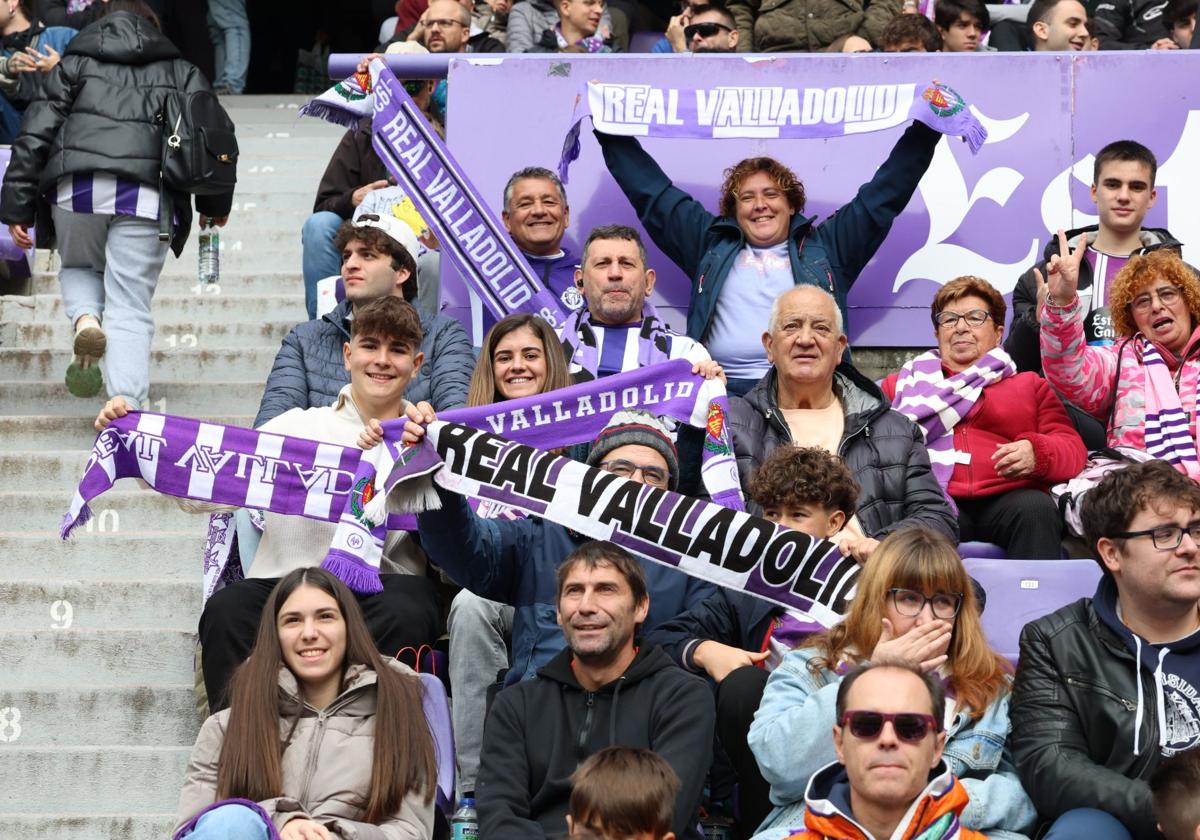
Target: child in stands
623,793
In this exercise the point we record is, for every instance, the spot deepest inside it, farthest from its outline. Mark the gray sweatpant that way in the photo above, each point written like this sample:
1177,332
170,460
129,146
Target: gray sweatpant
110,267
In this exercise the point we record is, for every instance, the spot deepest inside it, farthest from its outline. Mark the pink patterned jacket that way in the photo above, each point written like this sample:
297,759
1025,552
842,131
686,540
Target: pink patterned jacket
1109,382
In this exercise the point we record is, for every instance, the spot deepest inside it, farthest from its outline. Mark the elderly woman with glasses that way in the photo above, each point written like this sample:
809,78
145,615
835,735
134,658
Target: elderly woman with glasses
914,603
1143,387
997,439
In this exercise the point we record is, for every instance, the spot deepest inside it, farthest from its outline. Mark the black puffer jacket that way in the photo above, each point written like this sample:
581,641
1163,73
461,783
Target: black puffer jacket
1074,710
883,449
100,114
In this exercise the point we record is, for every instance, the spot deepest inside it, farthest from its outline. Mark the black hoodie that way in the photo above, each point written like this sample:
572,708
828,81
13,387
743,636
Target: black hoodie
540,730
101,114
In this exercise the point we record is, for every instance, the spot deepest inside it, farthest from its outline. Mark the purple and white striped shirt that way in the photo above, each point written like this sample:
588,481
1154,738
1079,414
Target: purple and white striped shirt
100,192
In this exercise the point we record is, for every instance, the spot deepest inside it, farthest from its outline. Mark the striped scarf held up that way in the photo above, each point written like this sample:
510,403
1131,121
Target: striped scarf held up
1166,429
937,402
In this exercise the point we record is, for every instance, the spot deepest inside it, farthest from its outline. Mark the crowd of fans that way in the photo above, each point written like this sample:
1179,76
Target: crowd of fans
593,693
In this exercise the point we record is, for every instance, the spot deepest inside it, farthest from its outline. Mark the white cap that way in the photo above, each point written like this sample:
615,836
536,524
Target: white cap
399,231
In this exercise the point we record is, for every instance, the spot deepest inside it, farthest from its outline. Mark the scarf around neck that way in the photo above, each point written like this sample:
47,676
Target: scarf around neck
1166,430
582,348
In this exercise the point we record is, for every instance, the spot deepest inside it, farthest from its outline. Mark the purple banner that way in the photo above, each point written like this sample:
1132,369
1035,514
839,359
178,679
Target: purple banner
471,238
989,214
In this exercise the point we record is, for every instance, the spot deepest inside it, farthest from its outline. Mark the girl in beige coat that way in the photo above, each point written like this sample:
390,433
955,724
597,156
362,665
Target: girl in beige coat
323,740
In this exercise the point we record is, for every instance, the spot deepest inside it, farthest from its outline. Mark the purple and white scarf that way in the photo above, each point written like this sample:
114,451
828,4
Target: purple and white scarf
636,110
471,236
209,462
705,540
1166,429
937,402
582,349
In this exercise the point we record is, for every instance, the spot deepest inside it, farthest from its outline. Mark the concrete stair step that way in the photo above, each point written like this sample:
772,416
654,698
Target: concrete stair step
104,556
216,305
168,335
68,659
145,716
192,398
132,509
41,433
71,826
178,363
150,603
128,780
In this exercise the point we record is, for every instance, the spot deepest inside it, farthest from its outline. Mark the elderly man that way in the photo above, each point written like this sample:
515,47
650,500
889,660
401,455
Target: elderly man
811,398
889,779
762,243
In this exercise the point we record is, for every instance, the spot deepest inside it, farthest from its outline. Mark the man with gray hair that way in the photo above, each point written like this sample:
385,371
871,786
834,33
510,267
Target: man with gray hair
811,397
536,215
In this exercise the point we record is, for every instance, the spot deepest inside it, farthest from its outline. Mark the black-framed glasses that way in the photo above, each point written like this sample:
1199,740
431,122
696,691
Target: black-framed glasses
1165,537
655,476
910,602
704,30
974,318
1167,295
910,727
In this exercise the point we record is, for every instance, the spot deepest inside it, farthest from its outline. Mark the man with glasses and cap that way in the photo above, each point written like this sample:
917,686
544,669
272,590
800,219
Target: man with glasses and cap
1109,686
700,28
377,261
889,779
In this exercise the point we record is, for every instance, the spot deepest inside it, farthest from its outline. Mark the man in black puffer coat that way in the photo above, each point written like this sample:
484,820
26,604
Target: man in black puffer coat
809,398
92,148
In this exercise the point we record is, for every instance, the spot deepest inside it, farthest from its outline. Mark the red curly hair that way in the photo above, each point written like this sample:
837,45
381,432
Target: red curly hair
776,171
1138,274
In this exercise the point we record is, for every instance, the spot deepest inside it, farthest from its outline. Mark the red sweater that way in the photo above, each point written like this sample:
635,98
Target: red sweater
1021,407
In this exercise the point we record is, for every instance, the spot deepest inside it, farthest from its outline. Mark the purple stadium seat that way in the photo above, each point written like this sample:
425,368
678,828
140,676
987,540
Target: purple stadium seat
643,42
982,550
1021,590
437,712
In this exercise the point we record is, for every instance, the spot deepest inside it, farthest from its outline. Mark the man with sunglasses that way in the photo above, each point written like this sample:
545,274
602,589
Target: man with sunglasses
889,780
1109,686
700,28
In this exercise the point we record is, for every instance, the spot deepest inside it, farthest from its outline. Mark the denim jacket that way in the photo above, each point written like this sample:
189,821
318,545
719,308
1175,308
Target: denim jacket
791,741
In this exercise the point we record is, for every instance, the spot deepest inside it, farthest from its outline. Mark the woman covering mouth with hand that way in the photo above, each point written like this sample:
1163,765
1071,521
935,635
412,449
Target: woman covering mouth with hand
1143,387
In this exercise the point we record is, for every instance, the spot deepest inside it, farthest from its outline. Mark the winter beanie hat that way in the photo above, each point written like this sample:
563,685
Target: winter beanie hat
637,428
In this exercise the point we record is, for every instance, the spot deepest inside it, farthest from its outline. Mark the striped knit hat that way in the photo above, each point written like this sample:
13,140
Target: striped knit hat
637,428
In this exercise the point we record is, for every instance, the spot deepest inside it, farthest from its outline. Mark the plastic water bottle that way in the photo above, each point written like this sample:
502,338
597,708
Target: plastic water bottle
464,825
210,254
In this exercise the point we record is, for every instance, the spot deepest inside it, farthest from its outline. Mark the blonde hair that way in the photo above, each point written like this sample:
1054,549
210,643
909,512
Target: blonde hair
483,390
924,561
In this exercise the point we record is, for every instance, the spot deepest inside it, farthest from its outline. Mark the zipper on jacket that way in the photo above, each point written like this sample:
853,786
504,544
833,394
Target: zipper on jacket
864,430
1129,705
313,751
590,696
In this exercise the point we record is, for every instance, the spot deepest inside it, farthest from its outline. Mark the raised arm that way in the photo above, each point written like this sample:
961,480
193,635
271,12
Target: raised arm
482,555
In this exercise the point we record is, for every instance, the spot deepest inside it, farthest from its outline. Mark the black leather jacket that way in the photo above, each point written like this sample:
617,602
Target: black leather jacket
883,449
101,114
1073,712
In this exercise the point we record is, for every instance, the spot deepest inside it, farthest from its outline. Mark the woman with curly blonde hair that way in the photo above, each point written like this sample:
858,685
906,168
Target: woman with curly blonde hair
1143,386
915,603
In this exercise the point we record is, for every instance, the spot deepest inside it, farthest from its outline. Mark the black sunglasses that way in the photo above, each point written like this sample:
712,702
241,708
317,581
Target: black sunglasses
704,30
910,727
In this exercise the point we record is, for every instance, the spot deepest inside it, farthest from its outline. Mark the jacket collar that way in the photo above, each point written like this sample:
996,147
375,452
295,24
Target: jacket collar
649,660
827,801
799,226
862,400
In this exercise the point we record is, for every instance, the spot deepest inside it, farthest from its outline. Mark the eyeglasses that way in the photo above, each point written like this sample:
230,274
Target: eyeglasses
974,318
1165,537
909,603
910,727
1167,295
704,30
443,23
655,476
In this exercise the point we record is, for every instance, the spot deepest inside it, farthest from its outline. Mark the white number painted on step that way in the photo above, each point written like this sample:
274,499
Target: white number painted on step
10,723
184,340
107,520
63,614
207,289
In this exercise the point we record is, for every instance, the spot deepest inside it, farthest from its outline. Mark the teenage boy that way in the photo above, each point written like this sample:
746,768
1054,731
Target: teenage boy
381,357
961,23
737,639
623,793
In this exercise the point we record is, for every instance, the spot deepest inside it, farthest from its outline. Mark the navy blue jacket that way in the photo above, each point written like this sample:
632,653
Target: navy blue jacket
310,370
513,561
727,616
830,255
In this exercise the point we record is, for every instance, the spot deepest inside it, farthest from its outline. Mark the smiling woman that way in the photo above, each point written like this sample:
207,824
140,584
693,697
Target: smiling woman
997,439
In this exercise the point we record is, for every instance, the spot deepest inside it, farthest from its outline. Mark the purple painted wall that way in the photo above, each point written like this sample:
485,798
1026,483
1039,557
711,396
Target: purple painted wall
988,214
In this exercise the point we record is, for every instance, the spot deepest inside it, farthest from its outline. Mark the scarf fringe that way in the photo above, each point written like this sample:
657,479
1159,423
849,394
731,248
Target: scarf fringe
975,135
331,113
415,495
351,571
71,522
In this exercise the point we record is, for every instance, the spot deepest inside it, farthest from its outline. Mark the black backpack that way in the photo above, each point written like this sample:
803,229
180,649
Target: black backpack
199,148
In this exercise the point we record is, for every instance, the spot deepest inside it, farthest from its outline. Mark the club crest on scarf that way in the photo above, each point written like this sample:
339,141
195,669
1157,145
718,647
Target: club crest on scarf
356,88
715,440
943,100
360,497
